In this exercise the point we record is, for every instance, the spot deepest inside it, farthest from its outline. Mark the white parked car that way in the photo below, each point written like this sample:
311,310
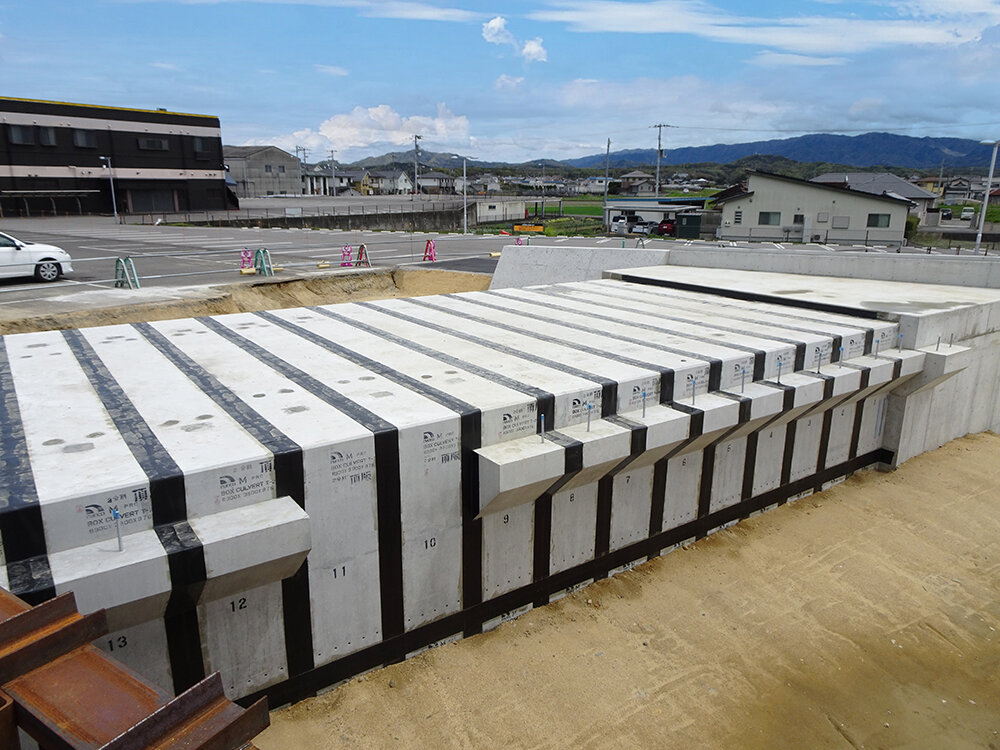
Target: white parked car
23,258
968,213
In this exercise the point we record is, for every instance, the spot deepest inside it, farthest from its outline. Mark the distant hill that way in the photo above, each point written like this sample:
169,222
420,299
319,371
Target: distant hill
868,150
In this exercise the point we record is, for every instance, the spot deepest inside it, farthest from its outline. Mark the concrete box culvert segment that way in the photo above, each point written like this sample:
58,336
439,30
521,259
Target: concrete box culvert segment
309,493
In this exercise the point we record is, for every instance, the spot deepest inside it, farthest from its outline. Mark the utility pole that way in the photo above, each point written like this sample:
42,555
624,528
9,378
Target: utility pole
659,150
986,195
607,161
304,152
333,173
416,150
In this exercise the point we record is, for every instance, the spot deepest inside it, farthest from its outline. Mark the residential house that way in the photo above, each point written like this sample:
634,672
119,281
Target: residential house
883,183
317,178
263,170
437,183
391,182
784,209
637,183
357,180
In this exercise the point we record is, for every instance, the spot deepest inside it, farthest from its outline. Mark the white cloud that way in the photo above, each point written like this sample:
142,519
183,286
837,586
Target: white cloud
165,66
495,32
533,51
332,70
779,60
806,35
507,83
401,9
417,12
365,127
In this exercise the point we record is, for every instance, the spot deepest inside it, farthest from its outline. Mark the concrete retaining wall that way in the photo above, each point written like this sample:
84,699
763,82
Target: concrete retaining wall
537,264
306,494
527,265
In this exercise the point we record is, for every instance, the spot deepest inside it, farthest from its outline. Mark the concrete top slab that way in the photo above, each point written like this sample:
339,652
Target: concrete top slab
887,297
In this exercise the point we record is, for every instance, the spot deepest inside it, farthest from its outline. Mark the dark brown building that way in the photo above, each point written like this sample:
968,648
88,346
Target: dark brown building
160,162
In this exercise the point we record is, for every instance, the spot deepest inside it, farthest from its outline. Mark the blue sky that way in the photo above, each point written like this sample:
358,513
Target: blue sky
517,81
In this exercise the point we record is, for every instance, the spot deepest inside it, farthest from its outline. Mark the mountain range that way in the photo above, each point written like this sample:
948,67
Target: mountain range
861,151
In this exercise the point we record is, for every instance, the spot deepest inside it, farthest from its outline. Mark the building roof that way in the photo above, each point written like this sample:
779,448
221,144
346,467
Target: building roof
635,175
732,194
437,176
104,106
876,183
244,151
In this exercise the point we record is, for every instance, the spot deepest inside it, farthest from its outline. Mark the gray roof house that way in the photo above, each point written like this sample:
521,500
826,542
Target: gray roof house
775,208
882,183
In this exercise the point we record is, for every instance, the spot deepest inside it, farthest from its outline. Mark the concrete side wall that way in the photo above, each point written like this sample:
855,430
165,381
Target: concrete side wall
982,272
539,263
531,264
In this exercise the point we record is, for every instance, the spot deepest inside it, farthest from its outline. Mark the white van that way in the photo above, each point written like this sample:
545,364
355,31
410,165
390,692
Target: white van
968,213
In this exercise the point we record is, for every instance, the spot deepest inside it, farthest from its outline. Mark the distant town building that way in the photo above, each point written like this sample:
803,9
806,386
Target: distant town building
158,161
263,170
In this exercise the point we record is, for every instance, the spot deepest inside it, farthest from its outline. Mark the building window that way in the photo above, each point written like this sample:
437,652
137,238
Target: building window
492,207
769,218
878,220
798,219
154,144
281,169
738,217
21,135
841,222
85,139
47,136
822,217
267,168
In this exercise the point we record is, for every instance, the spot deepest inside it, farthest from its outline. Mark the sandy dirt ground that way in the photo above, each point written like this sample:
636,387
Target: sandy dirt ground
864,617
111,306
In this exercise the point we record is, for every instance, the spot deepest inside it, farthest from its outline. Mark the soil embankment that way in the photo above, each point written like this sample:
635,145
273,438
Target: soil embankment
867,616
108,307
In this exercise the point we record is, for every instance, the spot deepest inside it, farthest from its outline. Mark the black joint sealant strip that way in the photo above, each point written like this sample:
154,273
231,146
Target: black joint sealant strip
666,374
185,555
852,312
289,481
749,315
607,386
394,649
659,497
22,533
859,416
542,545
470,420
186,562
387,481
759,355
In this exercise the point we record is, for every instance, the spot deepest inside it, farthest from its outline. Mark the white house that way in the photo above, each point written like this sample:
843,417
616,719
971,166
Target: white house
784,209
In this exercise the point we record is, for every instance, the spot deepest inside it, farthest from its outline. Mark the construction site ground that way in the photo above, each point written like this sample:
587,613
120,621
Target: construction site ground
867,616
